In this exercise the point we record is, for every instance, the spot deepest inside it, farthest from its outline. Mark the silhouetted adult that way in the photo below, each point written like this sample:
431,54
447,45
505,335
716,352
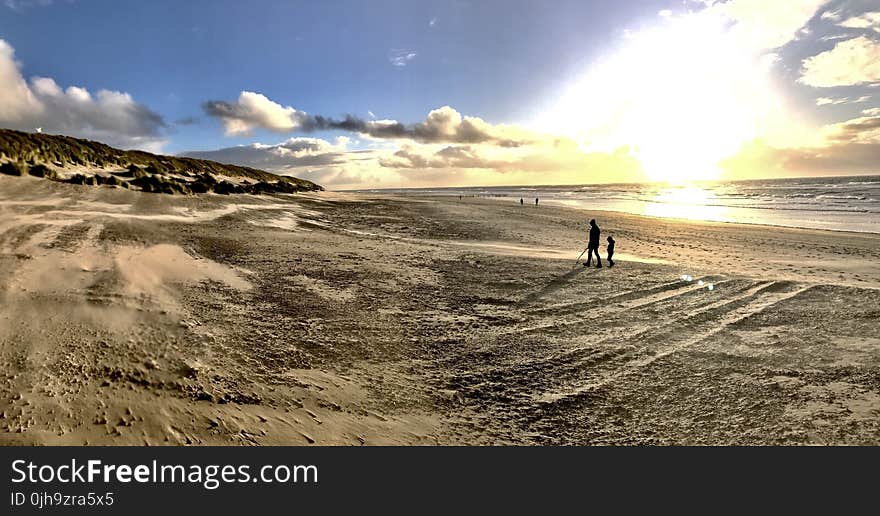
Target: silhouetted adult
593,245
520,201
536,201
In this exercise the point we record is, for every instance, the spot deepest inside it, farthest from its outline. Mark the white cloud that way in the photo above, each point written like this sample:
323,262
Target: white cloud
871,111
764,25
17,101
831,15
254,110
401,57
330,164
445,124
850,62
870,20
19,5
827,101
109,116
769,60
834,37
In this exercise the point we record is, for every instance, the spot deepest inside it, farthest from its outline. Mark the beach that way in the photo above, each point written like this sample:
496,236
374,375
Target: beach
398,319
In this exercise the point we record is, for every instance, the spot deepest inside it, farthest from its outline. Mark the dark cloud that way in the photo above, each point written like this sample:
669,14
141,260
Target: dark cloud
448,157
855,130
443,125
757,159
340,177
550,159
189,120
849,158
291,154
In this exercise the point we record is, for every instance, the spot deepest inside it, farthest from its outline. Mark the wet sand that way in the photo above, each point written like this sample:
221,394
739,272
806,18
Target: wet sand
132,318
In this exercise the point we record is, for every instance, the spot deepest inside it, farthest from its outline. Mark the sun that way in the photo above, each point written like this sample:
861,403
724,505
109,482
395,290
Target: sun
681,96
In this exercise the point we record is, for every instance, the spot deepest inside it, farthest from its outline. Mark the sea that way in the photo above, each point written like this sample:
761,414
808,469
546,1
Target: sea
830,203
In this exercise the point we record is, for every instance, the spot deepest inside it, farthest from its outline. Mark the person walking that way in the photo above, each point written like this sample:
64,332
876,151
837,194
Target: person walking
593,245
610,251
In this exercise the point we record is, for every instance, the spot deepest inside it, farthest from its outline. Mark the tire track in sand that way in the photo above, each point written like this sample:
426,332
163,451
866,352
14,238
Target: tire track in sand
606,350
637,302
758,300
561,376
604,346
650,294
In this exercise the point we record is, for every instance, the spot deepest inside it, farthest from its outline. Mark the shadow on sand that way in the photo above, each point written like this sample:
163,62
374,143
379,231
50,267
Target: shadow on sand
554,285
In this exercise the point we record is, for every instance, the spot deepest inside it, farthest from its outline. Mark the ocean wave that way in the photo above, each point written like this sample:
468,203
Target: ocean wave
803,208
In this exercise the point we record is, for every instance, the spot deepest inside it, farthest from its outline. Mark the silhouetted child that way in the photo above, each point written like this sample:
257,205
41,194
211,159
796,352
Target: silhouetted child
610,251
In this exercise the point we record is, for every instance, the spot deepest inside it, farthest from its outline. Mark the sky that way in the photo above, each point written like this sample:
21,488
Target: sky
389,94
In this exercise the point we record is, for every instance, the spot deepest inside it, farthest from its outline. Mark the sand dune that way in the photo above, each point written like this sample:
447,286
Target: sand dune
130,318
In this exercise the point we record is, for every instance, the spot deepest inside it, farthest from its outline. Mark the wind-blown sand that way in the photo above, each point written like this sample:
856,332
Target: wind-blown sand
131,318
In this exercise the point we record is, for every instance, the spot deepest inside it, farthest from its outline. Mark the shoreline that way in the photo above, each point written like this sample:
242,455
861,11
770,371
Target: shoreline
759,224
652,217
837,203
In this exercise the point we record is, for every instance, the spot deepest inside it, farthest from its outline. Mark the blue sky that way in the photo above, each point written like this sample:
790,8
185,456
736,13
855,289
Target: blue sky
488,59
518,66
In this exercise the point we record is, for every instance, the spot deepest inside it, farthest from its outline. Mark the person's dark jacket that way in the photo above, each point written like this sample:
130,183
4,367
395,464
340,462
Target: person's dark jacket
594,236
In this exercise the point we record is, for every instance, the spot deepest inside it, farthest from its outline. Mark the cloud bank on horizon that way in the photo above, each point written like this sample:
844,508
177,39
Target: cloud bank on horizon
738,89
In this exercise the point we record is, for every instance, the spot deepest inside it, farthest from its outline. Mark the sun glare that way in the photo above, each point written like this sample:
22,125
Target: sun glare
685,202
681,97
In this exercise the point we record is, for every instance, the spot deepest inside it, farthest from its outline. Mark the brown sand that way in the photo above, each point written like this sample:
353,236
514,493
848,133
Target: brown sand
130,318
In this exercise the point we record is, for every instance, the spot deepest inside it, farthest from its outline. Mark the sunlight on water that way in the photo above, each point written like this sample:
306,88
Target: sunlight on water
685,202
839,203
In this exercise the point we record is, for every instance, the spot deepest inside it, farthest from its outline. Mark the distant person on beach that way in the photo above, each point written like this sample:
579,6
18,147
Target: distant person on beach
593,245
536,201
520,201
610,251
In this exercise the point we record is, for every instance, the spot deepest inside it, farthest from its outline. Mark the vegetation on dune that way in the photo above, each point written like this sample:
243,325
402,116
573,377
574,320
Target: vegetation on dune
159,184
12,169
40,154
40,170
112,181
